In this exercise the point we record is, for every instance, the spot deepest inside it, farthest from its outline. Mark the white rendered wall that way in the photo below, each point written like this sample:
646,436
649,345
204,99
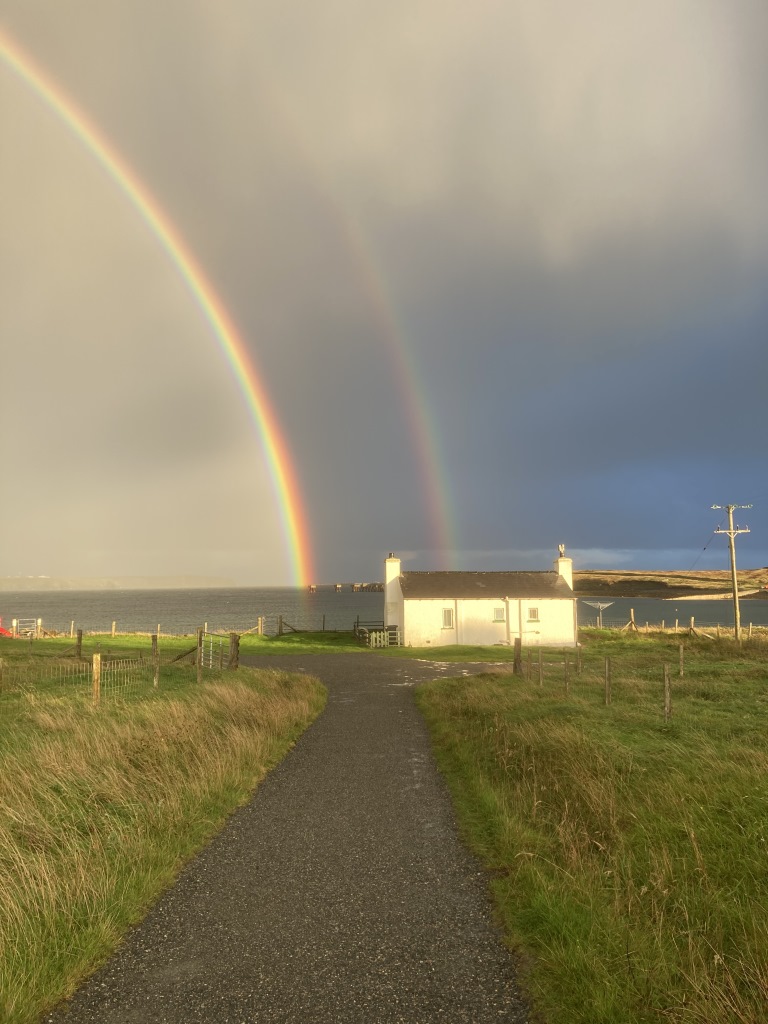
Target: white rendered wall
477,626
473,622
556,626
422,626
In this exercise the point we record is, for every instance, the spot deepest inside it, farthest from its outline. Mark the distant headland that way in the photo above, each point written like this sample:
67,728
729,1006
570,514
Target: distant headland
707,583
658,584
45,583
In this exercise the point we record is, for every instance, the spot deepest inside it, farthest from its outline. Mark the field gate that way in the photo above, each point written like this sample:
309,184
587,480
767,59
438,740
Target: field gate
217,650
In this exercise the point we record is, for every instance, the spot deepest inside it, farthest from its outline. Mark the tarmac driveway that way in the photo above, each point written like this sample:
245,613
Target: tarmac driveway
339,893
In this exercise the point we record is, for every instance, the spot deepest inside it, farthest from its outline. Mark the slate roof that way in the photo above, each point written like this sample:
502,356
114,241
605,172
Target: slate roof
483,585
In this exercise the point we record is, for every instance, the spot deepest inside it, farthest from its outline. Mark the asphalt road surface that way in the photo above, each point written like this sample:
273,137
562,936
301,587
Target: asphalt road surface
340,893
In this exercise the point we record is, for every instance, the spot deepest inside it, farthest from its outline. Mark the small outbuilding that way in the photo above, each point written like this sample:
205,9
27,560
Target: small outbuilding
441,608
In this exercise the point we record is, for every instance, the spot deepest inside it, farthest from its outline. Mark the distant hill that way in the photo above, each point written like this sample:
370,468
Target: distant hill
658,584
46,583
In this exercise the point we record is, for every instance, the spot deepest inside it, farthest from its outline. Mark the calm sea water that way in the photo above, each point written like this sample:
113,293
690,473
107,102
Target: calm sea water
183,611
705,613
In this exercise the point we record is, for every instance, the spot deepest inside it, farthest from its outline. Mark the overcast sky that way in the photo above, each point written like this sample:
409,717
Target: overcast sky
503,258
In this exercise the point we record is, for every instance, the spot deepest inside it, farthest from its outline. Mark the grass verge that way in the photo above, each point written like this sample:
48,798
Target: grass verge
101,806
629,854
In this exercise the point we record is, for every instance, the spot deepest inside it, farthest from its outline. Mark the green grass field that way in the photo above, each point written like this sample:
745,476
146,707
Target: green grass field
100,806
628,854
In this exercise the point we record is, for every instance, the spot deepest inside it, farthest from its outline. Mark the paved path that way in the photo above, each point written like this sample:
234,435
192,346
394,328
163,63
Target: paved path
340,893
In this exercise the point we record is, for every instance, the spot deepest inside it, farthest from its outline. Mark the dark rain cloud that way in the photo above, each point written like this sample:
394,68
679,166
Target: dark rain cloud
563,204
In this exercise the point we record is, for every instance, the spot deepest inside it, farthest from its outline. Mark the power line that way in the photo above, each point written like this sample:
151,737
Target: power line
698,557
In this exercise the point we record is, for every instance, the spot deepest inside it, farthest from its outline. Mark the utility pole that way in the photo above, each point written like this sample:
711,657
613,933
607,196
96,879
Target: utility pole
732,531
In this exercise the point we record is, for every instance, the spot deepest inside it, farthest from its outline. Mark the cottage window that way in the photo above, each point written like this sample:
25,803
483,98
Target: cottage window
533,614
498,615
447,618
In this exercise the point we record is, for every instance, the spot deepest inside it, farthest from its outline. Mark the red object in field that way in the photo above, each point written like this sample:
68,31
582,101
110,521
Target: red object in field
4,632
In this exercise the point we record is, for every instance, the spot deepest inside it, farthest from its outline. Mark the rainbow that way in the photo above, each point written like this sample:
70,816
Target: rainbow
280,464
435,488
374,282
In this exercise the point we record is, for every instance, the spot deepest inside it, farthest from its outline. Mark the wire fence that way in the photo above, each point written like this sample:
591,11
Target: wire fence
106,677
714,627
660,671
119,678
275,624
103,678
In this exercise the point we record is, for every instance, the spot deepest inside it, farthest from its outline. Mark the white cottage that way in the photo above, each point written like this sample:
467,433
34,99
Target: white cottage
440,608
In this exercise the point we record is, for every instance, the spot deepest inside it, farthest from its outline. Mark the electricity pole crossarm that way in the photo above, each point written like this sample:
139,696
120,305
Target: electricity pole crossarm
732,532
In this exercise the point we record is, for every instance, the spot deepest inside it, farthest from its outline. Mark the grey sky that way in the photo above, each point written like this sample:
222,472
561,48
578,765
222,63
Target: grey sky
564,204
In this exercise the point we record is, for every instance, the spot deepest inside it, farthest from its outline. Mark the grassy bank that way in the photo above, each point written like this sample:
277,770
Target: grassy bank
629,854
101,806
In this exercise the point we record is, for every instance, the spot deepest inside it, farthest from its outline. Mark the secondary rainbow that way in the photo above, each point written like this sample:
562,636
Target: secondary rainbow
279,461
374,280
435,489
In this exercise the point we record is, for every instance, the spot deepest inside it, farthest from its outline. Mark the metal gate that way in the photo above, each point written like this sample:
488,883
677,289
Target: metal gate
217,650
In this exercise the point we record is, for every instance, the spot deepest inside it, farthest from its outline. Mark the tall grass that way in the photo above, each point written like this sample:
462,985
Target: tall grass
100,807
629,855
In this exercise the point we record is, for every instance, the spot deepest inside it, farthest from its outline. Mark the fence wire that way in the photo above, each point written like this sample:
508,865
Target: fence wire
122,677
26,675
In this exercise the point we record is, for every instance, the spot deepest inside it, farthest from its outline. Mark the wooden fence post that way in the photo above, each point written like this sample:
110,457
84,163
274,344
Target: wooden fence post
541,670
667,695
578,659
96,678
72,630
114,627
199,655
607,681
155,660
79,645
517,664
279,625
682,661
528,665
234,651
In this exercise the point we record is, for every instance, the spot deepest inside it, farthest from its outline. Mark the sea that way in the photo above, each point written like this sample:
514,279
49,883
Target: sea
182,612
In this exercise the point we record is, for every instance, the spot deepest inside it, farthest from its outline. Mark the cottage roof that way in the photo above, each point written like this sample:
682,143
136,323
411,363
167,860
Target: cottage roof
480,585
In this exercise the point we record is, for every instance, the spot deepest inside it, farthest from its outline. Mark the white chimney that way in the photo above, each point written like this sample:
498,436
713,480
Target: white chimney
564,566
393,596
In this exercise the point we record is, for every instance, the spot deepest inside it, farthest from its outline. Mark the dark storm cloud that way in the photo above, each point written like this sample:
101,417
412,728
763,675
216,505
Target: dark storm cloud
566,205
